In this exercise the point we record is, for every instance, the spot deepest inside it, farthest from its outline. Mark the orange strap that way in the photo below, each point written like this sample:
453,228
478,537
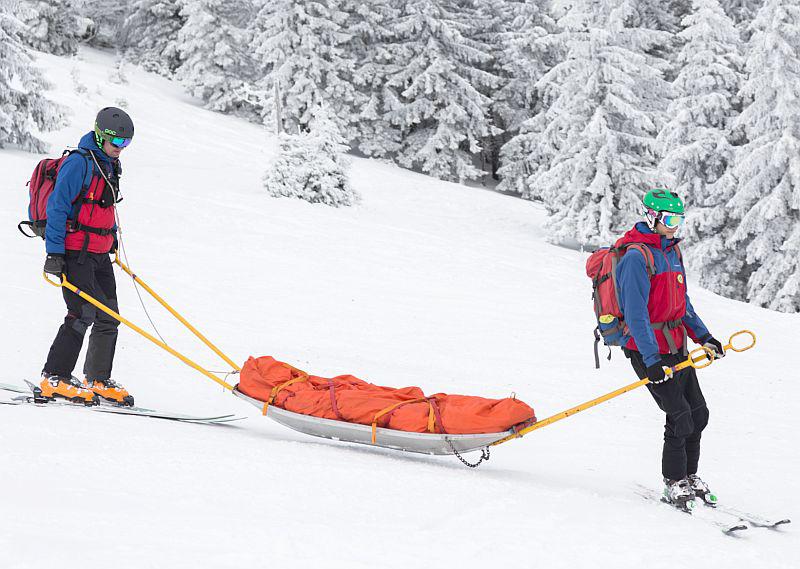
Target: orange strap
379,414
278,388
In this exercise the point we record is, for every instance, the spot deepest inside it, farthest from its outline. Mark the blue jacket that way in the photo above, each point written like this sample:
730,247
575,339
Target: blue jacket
74,175
660,298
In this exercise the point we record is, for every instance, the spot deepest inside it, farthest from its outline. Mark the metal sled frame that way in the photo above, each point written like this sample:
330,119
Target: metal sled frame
424,443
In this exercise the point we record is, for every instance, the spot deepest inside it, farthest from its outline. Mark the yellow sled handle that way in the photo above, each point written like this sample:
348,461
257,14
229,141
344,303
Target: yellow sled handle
96,303
695,361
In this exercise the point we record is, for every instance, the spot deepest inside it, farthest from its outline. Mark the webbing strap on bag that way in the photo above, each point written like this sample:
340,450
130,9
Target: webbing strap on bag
666,328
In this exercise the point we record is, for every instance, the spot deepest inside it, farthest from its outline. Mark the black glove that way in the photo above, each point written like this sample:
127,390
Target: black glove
715,346
54,264
655,373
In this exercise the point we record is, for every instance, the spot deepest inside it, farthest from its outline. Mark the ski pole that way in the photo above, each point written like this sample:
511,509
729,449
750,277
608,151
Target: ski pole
68,285
172,311
696,359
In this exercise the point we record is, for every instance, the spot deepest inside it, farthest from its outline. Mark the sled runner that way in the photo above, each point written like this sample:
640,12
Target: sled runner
425,443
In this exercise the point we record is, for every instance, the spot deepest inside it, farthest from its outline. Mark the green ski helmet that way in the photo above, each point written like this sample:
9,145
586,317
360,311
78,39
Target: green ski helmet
662,204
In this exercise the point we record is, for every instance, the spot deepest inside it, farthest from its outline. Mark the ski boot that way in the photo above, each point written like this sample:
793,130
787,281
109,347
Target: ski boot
109,390
701,490
53,386
679,493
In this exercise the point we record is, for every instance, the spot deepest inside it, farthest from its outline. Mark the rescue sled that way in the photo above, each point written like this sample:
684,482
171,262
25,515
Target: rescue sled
424,443
432,442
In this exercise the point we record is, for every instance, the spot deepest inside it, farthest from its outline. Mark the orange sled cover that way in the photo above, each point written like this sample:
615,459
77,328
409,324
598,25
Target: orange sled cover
347,398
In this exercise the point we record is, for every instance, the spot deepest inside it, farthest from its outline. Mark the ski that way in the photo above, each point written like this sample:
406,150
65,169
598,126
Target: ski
754,520
728,528
25,397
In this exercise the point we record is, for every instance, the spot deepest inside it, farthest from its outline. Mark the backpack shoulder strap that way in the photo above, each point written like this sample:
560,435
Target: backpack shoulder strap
649,261
678,252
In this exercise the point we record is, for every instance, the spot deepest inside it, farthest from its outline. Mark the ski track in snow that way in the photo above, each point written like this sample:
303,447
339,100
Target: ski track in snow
426,283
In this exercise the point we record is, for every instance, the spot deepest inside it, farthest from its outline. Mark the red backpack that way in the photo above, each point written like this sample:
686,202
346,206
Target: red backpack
40,187
601,267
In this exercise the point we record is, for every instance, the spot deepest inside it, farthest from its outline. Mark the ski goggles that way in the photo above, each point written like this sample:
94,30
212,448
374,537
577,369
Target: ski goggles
118,141
671,220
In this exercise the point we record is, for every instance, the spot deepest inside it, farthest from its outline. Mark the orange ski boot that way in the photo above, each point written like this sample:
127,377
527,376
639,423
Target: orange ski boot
69,388
109,390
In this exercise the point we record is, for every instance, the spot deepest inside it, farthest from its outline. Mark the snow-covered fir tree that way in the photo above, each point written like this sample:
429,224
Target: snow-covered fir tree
149,35
436,99
300,46
593,144
369,48
509,29
311,164
697,151
23,106
215,53
751,245
524,59
107,17
741,11
53,26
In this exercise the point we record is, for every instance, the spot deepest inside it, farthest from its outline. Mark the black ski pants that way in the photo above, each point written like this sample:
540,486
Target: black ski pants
687,415
95,277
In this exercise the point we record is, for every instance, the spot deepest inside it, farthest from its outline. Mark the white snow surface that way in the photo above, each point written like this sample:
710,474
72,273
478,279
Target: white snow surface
423,283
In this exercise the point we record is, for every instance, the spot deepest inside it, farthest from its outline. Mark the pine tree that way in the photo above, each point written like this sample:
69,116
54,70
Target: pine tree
509,29
742,11
752,244
311,165
107,17
525,58
435,98
23,107
696,139
369,48
593,143
53,26
149,35
301,49
214,47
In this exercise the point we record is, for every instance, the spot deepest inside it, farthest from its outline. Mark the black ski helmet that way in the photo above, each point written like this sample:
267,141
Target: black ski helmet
112,122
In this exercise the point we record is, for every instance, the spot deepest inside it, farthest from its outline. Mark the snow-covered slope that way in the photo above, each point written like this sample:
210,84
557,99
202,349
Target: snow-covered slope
425,283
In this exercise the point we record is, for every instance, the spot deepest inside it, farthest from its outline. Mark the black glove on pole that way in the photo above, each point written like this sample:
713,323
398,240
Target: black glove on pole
655,373
54,264
715,346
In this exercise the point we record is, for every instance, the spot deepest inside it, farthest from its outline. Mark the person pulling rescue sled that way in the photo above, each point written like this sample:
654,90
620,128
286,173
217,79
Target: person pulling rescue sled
651,283
80,233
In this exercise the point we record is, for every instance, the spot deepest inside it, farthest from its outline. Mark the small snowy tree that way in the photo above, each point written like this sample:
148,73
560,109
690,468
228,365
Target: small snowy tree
695,140
53,26
436,98
23,106
149,35
311,165
214,47
752,244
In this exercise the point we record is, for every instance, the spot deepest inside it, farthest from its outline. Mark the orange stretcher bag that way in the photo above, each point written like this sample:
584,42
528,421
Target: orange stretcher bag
350,399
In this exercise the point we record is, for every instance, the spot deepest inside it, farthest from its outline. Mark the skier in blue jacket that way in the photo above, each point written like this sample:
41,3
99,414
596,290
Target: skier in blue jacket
660,317
79,235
